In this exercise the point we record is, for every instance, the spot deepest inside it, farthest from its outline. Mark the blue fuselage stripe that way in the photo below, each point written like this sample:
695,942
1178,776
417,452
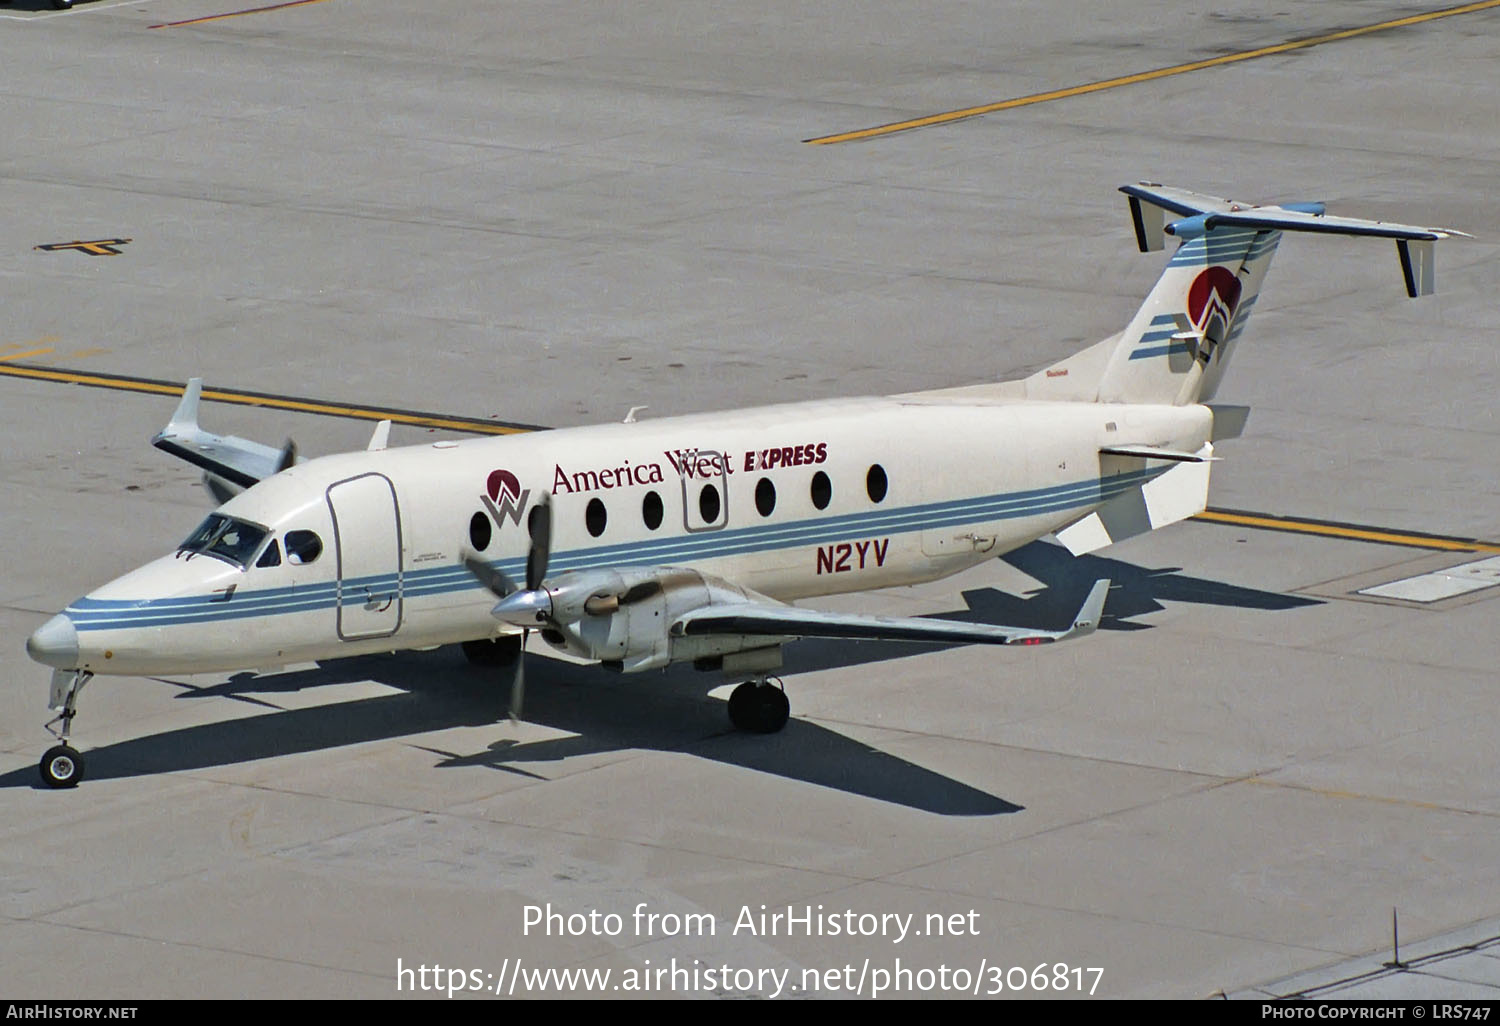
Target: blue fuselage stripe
111,614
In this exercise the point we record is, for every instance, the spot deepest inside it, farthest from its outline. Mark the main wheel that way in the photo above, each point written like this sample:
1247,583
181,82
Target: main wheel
759,708
61,5
61,767
493,651
741,701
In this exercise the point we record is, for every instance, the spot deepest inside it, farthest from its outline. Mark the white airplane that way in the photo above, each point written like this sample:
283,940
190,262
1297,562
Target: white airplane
642,544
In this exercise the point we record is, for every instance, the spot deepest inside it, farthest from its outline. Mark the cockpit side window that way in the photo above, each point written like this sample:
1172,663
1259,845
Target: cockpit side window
303,546
270,557
233,541
237,543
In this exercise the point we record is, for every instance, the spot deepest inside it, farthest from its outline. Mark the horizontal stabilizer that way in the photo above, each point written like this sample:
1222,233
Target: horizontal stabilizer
1196,215
1152,452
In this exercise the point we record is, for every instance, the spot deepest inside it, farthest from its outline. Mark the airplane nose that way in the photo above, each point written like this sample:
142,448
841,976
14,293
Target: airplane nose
55,644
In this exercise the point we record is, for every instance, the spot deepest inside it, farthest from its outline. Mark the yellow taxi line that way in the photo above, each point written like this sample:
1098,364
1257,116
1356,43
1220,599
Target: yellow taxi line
1149,76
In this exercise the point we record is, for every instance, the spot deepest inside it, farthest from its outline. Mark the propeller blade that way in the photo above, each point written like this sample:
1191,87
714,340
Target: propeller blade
518,684
488,575
539,522
288,456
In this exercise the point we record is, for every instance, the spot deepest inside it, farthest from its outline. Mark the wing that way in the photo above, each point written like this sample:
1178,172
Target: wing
229,463
773,619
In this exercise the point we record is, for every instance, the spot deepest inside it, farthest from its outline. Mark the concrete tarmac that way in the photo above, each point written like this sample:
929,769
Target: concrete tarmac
548,215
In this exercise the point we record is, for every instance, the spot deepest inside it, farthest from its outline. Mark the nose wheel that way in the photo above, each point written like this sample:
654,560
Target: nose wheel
759,706
62,766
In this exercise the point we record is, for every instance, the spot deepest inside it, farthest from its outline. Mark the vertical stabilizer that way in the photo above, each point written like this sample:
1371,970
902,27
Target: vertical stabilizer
1176,348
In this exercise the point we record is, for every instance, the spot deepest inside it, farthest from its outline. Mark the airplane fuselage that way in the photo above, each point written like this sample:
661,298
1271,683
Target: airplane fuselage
791,501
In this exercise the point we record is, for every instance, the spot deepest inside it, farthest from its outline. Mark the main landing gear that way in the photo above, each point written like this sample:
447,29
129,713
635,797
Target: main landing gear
62,766
759,706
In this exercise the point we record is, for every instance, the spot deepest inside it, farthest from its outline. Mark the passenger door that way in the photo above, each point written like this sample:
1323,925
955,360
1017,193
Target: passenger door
367,542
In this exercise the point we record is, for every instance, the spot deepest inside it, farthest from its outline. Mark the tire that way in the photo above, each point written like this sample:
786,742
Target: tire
62,5
759,708
61,767
742,705
772,709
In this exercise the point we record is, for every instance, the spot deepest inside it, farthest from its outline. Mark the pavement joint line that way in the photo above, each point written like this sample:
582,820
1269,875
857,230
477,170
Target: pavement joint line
200,946
1328,792
1096,913
235,14
21,356
1289,46
406,812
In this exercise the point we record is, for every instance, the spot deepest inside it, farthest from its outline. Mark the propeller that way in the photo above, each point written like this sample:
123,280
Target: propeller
524,607
287,457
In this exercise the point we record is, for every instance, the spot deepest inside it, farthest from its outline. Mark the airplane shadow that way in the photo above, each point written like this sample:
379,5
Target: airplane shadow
1134,591
29,5
439,690
664,712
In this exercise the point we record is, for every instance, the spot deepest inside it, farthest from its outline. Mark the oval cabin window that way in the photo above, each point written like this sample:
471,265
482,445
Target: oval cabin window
479,531
651,511
822,490
595,517
765,496
708,504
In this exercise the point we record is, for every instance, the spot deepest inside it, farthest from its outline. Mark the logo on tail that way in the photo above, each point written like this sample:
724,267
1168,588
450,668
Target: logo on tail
1211,302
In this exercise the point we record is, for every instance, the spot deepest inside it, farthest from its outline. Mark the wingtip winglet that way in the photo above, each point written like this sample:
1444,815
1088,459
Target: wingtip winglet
1087,620
184,419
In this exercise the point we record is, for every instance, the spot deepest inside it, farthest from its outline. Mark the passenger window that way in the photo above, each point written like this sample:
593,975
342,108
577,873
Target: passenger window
303,547
708,504
479,531
595,517
822,490
270,557
876,483
765,496
651,511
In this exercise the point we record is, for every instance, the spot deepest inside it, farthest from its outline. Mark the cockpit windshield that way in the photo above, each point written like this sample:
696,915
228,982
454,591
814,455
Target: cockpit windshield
233,541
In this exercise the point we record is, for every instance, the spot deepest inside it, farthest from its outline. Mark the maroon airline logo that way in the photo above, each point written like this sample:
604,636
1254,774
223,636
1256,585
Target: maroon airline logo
504,497
1215,291
1214,295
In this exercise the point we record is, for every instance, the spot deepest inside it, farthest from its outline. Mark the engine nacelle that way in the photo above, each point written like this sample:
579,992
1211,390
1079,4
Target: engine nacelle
623,618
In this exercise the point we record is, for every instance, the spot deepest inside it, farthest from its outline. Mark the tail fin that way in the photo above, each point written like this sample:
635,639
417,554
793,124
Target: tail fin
1176,348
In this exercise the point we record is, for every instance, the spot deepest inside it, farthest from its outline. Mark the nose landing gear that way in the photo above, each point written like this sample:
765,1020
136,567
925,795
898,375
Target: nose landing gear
62,766
759,706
